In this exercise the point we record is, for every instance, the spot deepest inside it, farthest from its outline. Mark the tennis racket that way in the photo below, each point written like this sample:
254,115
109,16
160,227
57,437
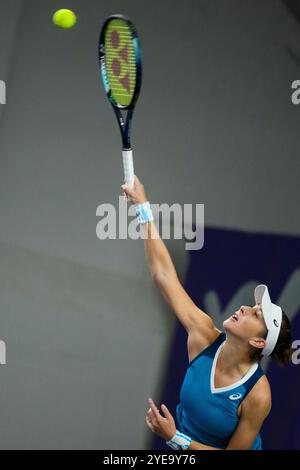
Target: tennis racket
121,71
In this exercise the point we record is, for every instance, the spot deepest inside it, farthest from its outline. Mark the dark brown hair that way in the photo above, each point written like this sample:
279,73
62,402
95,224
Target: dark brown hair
283,350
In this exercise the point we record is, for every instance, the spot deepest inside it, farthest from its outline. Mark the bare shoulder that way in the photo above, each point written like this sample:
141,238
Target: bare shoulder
254,409
259,399
198,339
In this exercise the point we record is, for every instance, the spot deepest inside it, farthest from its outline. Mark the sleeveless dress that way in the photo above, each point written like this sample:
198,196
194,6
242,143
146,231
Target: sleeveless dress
207,414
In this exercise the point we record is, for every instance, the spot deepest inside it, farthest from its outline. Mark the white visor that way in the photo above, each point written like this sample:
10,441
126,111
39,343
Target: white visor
272,315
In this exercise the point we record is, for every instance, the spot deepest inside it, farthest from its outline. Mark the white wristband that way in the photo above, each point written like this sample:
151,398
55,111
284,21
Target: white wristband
144,212
179,441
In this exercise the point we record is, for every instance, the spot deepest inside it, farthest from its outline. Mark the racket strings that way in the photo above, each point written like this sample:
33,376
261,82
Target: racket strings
120,62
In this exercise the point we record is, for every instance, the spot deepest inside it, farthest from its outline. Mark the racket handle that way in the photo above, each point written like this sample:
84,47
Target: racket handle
128,167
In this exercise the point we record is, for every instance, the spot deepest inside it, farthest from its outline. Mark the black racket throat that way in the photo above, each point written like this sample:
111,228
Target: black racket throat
125,126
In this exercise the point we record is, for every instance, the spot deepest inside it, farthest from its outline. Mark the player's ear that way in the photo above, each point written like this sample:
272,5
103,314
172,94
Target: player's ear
258,343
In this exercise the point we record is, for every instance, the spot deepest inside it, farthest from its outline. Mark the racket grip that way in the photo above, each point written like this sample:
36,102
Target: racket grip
128,167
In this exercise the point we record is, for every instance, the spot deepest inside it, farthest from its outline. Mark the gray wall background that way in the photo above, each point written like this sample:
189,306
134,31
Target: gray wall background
87,333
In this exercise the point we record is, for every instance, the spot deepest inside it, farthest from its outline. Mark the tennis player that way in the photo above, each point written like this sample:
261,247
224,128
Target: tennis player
225,396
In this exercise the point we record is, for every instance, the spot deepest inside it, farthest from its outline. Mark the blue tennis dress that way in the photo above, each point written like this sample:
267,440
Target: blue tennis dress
207,414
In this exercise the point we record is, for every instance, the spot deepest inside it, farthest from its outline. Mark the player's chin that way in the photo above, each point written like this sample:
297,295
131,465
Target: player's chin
229,324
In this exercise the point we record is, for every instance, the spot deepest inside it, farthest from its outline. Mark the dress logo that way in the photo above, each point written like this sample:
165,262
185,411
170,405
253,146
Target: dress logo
235,396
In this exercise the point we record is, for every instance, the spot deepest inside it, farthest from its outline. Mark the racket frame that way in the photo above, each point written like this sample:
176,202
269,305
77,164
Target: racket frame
124,125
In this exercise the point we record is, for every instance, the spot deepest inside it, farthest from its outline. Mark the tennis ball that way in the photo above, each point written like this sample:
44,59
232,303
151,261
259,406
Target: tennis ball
64,19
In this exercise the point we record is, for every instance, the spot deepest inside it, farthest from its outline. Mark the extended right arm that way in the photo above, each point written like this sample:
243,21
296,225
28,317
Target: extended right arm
199,326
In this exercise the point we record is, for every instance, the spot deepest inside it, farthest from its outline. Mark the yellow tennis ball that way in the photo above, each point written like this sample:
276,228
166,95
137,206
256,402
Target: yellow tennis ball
64,19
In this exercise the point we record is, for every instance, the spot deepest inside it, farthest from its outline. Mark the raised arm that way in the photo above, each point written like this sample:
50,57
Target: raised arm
163,273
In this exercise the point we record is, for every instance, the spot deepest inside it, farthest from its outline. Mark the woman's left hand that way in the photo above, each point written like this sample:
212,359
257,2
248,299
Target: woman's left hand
163,426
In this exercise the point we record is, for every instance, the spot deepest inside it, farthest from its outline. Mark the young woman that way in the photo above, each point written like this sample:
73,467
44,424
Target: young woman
225,396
